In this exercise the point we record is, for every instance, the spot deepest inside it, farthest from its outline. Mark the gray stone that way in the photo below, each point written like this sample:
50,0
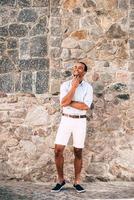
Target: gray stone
86,45
17,81
132,77
131,44
7,2
131,87
13,54
131,66
23,133
18,30
26,82
43,20
131,32
42,82
2,39
40,27
55,42
54,89
77,11
67,73
38,46
43,11
6,65
24,49
69,64
119,87
131,15
123,4
123,96
100,12
27,15
131,24
12,43
132,55
55,12
41,3
96,31
55,53
8,15
28,147
24,3
34,64
55,31
115,31
106,64
70,43
87,22
77,54
65,55
98,169
132,3
98,88
106,77
107,47
2,48
89,3
55,74
55,3
113,123
4,31
55,21
7,82
38,116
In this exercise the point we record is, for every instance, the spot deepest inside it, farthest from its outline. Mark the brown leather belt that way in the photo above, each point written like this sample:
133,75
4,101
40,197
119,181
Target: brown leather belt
74,116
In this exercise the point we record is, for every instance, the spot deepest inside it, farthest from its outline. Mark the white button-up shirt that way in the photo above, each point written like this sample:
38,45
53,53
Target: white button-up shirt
83,94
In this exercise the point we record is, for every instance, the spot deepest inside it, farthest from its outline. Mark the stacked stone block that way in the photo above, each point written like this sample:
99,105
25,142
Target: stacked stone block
131,44
24,61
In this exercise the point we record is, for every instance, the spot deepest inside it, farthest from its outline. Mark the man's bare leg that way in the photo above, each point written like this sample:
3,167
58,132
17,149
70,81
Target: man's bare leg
77,164
59,161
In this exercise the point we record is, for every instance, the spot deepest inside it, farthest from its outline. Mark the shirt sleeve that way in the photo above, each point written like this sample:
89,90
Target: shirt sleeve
88,99
63,91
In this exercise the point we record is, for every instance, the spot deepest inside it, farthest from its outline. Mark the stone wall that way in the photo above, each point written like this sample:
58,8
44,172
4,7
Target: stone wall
39,42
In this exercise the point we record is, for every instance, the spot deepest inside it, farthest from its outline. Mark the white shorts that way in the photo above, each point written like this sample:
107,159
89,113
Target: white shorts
76,126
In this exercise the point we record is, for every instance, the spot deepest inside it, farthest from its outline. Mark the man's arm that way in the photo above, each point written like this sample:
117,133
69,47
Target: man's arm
66,100
87,101
79,105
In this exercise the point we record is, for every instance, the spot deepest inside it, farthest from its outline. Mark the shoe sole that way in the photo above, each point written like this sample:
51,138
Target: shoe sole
55,191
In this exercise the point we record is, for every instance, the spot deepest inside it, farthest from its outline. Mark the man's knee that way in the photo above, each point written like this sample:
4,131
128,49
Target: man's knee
59,151
78,153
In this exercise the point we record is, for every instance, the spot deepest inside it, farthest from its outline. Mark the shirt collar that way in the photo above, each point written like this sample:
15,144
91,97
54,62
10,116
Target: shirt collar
82,82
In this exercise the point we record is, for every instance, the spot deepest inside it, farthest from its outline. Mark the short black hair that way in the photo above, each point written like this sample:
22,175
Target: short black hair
85,66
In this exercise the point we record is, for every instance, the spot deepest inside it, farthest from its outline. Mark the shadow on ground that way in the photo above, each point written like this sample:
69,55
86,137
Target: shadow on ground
7,194
18,190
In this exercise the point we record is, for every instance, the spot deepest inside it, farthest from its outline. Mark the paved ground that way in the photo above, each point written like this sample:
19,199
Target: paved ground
12,190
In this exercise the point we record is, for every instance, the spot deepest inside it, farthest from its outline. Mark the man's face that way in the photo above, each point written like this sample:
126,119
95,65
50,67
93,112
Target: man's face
78,70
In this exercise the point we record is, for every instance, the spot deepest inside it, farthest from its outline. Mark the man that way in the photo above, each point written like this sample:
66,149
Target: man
76,97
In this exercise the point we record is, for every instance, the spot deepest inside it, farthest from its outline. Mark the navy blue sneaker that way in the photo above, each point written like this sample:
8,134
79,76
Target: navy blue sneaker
78,188
58,187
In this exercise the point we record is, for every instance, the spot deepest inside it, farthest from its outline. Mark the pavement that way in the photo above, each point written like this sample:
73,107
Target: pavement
20,190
